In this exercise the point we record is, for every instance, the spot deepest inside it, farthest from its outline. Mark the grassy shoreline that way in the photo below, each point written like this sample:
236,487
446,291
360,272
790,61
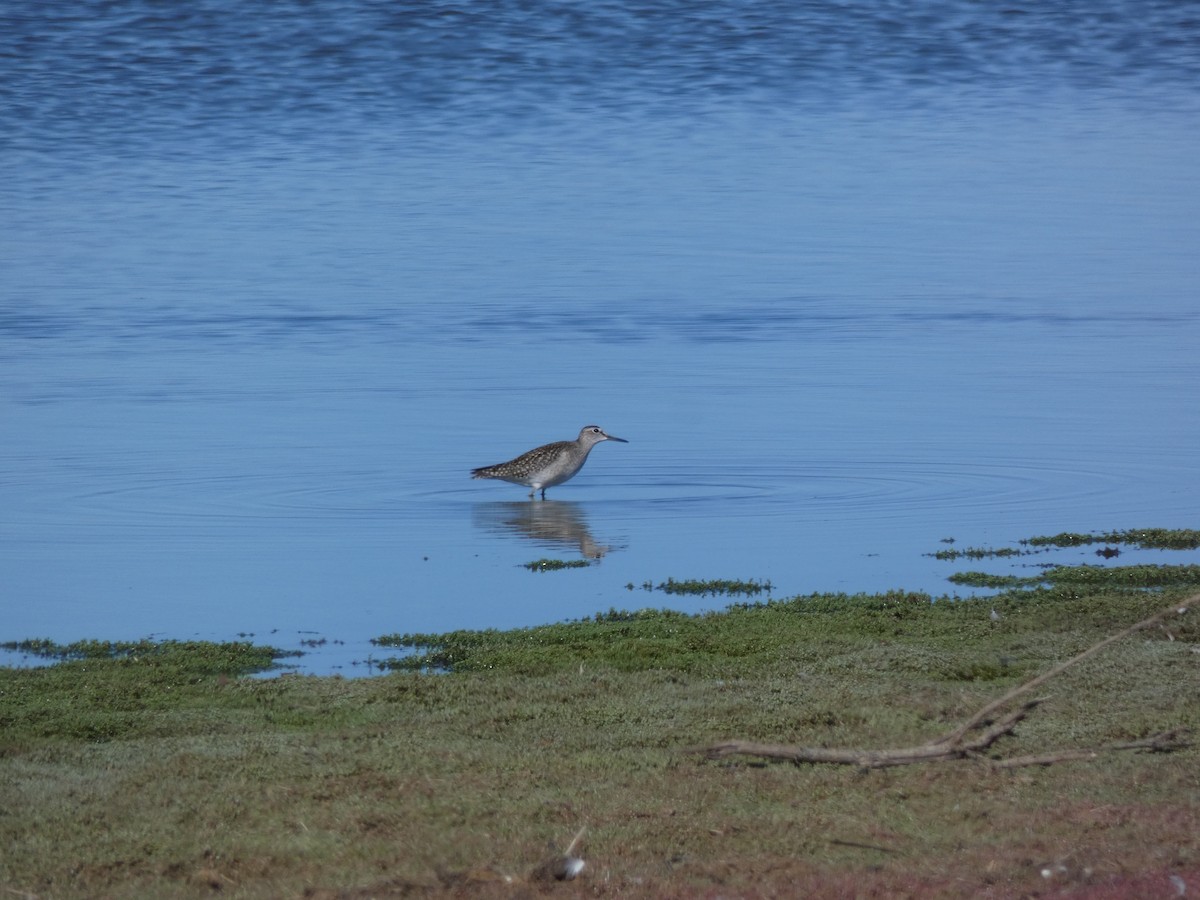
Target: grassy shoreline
161,773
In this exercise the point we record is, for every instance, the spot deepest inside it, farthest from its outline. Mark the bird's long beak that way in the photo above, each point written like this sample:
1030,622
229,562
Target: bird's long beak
611,438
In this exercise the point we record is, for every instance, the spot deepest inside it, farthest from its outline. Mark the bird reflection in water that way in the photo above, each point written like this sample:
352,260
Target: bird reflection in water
559,523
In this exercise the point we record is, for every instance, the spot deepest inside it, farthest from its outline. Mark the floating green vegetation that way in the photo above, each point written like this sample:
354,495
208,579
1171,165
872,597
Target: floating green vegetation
1146,538
706,587
1138,576
553,565
979,553
1098,577
235,657
1144,576
988,580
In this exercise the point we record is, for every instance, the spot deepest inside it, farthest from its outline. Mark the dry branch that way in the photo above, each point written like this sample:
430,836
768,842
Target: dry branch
1164,742
956,744
873,759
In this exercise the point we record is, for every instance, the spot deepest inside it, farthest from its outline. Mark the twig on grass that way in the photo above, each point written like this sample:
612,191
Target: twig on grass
1164,742
956,745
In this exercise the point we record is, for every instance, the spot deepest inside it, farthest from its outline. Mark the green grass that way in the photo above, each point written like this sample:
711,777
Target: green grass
774,636
162,773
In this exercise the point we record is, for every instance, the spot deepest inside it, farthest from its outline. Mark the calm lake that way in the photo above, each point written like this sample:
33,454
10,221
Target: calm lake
852,279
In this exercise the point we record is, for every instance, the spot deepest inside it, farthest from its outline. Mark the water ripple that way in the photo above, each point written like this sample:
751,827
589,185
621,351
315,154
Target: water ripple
169,504
94,72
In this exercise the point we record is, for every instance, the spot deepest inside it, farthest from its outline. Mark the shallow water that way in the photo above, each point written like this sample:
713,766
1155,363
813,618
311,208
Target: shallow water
876,278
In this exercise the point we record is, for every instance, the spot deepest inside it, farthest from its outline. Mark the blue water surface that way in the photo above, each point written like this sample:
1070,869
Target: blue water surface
852,279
